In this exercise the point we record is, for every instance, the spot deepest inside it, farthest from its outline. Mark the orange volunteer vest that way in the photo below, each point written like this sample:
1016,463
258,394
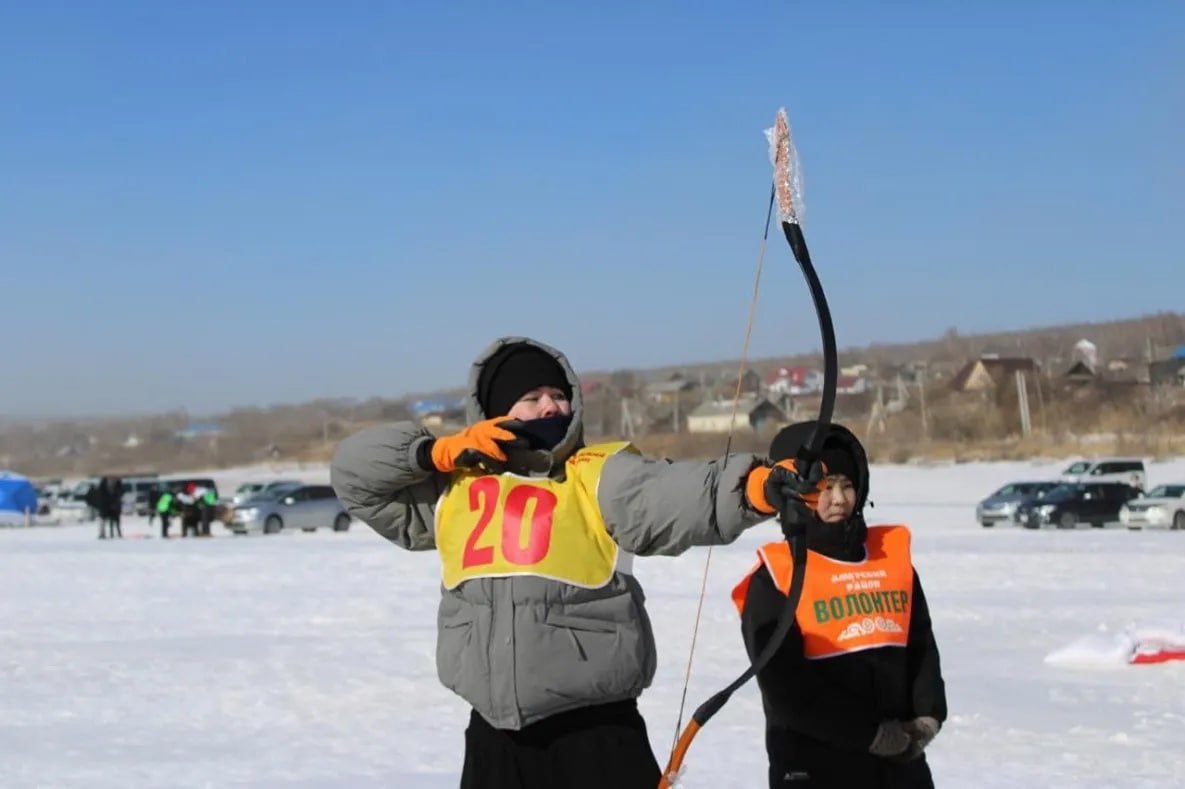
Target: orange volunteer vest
497,526
846,606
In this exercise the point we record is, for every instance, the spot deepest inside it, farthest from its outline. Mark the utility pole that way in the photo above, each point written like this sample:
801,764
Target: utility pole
922,403
1022,398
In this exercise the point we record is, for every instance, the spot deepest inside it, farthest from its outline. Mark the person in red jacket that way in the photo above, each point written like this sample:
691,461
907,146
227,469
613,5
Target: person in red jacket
854,694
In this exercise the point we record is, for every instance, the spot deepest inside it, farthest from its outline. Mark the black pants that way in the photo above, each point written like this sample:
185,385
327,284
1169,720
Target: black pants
112,520
818,767
164,525
599,747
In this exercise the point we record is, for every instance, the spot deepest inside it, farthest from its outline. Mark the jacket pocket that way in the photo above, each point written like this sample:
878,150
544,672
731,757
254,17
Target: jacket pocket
452,646
585,624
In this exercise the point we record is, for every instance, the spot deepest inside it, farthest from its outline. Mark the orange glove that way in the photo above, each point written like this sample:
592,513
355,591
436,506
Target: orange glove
484,443
767,488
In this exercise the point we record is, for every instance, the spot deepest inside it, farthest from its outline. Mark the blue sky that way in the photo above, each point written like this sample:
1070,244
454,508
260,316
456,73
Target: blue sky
211,204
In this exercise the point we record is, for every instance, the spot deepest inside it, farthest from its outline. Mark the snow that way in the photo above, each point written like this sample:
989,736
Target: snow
307,660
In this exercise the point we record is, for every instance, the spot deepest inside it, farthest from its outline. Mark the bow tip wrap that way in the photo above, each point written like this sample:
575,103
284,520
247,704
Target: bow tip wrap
783,155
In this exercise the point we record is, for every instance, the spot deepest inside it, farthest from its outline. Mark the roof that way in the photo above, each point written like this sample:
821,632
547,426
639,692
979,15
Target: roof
746,405
997,367
659,387
796,375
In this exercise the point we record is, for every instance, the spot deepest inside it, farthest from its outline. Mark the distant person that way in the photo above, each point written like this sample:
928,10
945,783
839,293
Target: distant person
855,693
96,506
112,502
543,628
164,508
207,501
190,518
153,497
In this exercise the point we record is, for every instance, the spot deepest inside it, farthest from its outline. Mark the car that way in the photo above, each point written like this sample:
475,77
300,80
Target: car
1000,505
249,490
1129,470
137,492
305,507
1071,503
1161,507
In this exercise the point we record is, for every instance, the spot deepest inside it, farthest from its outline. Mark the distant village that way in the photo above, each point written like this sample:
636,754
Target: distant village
964,391
628,404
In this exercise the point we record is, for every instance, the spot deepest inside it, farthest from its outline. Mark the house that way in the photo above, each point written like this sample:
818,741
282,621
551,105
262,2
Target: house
991,372
200,430
751,382
1167,372
666,391
1080,373
437,406
438,411
794,381
751,413
854,370
850,384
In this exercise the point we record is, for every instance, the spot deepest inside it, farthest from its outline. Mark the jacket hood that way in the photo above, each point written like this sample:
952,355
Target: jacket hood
535,461
787,442
839,540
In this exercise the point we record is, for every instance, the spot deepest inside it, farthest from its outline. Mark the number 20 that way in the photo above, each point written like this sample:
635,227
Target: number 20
483,496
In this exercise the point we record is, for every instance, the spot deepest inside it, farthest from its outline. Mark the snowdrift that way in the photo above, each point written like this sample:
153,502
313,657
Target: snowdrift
1136,645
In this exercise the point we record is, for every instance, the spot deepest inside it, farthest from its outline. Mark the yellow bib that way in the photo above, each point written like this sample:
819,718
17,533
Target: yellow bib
496,526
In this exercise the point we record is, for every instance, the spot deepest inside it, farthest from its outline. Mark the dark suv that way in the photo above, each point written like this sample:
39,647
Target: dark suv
1096,503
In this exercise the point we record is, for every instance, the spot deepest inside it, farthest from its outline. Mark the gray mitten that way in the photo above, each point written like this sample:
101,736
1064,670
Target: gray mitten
891,739
923,729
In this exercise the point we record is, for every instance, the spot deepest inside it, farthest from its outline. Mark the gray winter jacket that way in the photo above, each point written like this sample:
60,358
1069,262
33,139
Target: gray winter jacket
522,648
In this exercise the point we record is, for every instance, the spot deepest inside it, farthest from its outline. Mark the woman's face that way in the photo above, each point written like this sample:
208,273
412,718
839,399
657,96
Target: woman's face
539,403
837,499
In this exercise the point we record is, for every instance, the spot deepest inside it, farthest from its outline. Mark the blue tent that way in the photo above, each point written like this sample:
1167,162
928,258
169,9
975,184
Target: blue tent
16,493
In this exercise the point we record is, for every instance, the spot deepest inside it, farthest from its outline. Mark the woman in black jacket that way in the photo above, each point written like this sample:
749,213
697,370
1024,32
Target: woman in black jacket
855,693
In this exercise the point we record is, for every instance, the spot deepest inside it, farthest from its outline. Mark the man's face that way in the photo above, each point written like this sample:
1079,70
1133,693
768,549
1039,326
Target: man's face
837,499
539,403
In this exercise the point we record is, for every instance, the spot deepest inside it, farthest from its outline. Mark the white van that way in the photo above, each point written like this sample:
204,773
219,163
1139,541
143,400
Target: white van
1128,470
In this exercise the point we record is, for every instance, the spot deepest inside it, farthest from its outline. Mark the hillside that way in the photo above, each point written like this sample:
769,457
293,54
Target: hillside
938,424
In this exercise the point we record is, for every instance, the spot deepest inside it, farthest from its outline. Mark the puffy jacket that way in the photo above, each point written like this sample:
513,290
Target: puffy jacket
522,648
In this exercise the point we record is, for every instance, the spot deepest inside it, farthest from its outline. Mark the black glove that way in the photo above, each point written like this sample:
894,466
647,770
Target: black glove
794,494
481,445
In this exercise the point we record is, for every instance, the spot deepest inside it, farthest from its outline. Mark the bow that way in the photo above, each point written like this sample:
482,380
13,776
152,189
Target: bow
787,190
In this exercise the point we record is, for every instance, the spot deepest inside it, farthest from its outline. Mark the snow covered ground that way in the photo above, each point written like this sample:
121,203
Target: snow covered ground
307,660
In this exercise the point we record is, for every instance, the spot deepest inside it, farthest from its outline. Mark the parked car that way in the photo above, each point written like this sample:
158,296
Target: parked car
1001,505
1129,470
1067,505
1161,507
136,492
305,507
249,490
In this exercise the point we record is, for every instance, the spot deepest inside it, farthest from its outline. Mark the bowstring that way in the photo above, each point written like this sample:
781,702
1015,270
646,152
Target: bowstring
727,451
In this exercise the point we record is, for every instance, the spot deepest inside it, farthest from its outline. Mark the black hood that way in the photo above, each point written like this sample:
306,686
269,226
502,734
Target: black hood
841,541
562,438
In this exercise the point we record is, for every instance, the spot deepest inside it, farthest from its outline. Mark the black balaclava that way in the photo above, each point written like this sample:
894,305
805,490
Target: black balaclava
842,453
513,371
